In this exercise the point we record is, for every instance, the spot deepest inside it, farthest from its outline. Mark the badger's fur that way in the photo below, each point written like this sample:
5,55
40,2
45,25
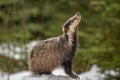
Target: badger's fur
53,52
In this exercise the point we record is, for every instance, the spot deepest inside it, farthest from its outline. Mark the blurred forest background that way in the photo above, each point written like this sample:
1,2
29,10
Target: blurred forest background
25,21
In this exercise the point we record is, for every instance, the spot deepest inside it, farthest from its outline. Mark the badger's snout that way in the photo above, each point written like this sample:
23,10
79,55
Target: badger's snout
77,17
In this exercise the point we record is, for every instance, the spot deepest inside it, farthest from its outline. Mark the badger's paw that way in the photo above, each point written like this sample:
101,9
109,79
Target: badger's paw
75,77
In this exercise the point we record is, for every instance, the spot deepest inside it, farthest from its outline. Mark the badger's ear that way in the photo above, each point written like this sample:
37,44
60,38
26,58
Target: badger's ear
62,28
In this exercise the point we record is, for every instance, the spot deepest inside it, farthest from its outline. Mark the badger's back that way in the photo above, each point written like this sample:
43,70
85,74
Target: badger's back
44,56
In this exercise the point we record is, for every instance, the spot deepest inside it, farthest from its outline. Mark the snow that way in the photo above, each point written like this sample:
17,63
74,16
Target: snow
92,74
19,75
3,76
59,71
111,72
47,77
17,56
12,51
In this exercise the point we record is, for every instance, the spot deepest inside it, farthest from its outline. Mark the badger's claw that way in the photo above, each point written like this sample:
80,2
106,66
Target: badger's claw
75,77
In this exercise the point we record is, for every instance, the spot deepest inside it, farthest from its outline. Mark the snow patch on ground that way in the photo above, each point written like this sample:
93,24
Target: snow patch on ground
92,74
59,71
19,75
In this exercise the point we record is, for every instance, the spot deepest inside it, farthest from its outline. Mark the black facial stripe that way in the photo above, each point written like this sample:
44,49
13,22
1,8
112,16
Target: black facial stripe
68,23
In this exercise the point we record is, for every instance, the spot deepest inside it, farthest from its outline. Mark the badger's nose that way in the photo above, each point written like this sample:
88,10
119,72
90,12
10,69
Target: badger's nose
78,14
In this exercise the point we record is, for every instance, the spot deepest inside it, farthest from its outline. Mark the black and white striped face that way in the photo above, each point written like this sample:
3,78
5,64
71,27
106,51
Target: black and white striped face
71,25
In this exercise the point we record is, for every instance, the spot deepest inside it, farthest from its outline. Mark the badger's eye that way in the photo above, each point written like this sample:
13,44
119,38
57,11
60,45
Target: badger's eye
68,23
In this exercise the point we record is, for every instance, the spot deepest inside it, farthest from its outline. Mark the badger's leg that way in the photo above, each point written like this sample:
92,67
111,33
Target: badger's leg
68,69
47,73
40,73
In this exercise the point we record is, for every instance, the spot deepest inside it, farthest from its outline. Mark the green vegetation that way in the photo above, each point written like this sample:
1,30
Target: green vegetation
99,37
12,65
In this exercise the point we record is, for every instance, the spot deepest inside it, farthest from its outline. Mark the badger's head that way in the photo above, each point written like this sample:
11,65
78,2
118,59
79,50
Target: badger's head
70,26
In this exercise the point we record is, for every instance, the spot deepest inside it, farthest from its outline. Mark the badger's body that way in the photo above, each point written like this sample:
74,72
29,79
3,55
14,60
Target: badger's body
50,53
53,52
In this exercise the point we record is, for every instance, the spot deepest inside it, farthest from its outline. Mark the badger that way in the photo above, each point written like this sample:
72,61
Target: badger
48,54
